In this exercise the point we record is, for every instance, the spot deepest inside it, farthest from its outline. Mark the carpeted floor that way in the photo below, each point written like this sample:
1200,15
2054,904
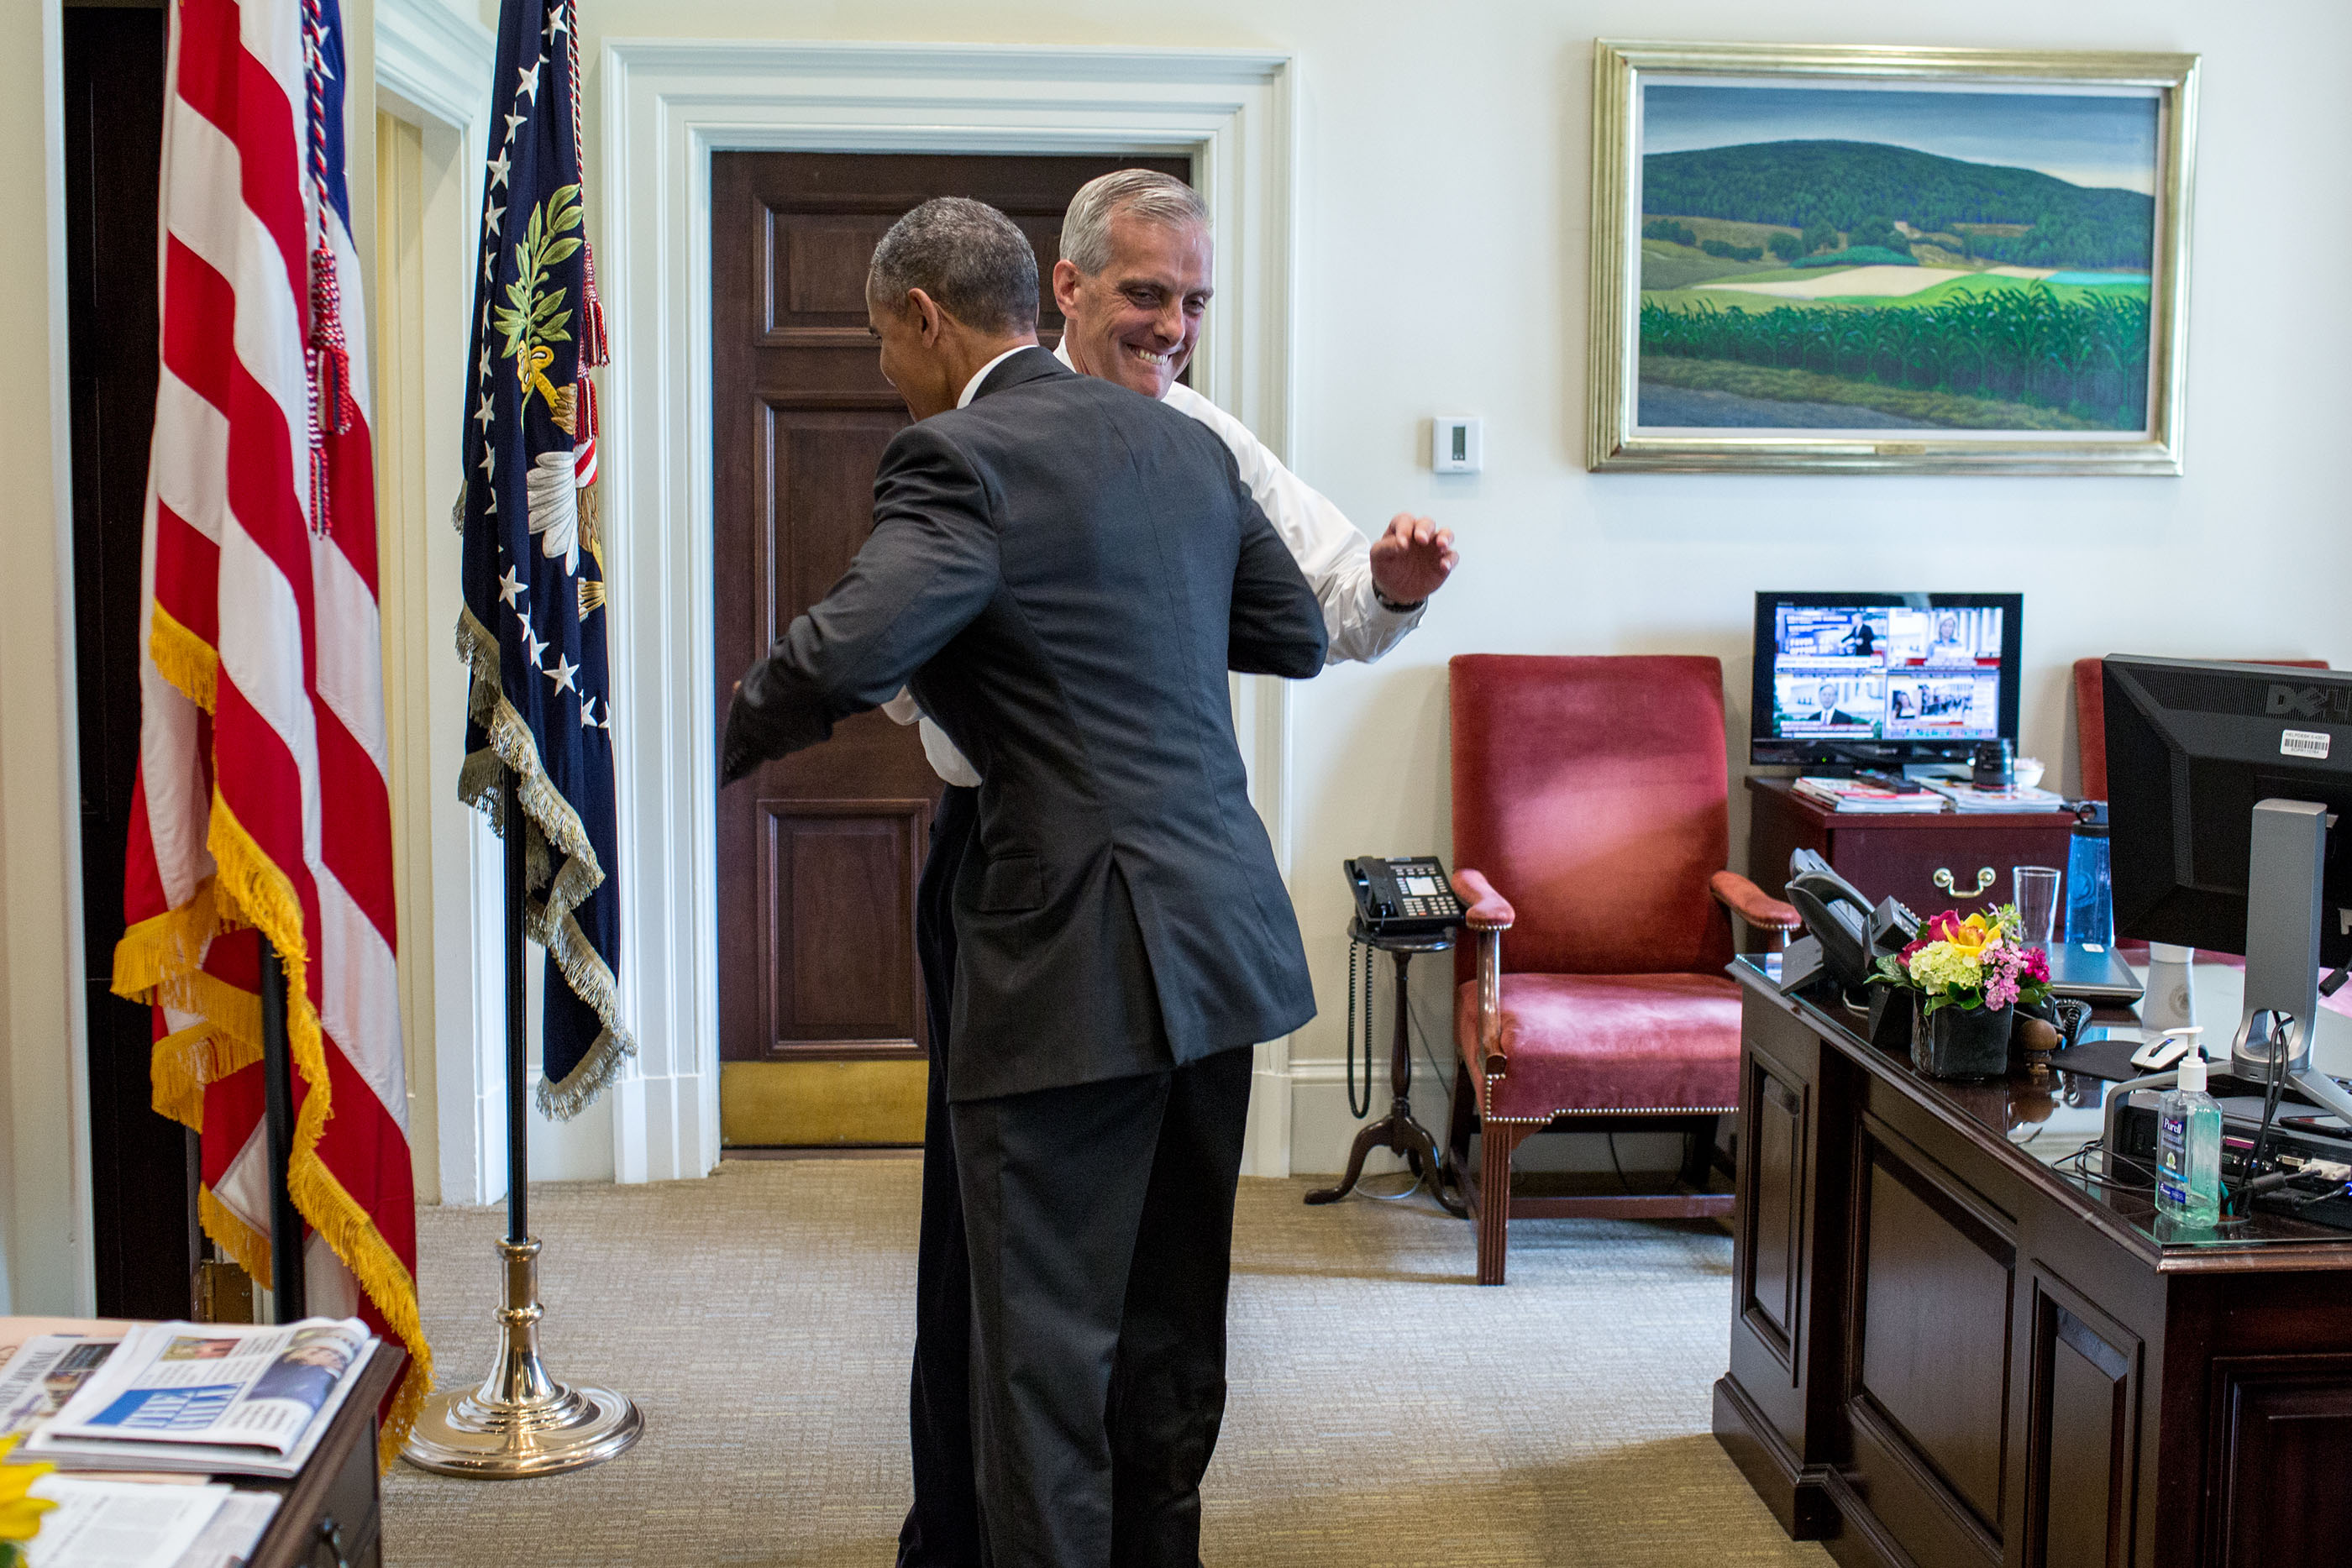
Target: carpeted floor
1383,1409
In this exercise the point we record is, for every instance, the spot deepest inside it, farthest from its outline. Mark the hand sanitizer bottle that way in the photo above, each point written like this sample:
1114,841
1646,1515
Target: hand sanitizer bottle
2188,1149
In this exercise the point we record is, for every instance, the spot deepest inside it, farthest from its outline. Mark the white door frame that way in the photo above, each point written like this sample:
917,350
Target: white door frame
668,105
433,70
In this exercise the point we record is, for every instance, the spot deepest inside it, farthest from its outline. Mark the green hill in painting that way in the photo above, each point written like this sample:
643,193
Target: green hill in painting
1840,184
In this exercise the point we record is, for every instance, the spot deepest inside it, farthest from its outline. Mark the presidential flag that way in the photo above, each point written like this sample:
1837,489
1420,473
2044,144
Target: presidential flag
533,631
262,807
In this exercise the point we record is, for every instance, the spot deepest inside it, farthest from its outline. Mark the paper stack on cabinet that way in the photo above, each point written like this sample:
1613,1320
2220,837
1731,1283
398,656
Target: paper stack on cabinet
1851,795
1966,797
203,1398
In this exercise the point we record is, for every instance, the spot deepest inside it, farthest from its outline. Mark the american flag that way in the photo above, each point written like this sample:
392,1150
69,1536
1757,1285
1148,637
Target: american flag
262,803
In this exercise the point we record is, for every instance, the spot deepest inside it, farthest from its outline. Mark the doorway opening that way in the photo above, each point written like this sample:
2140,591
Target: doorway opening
822,1033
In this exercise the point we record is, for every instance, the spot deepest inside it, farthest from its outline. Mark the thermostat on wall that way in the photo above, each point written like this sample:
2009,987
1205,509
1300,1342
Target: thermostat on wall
1454,446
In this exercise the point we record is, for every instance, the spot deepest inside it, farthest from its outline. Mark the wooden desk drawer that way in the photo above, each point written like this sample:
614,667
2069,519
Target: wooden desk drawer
1884,860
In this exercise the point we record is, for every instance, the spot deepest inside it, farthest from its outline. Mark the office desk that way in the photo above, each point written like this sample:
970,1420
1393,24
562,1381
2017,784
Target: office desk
1946,1352
327,1516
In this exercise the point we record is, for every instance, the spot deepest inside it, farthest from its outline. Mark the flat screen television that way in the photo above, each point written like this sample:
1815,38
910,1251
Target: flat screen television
1882,680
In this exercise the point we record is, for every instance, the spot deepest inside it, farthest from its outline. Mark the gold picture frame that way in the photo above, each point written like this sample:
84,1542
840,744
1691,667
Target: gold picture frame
1965,388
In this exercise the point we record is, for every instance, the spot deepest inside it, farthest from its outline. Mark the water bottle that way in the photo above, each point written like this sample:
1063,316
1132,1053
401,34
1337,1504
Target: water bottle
2090,892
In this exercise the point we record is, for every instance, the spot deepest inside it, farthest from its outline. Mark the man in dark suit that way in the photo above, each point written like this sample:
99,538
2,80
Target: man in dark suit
1063,571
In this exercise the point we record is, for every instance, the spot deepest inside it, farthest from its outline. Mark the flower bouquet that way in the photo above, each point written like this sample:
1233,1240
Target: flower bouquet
1967,976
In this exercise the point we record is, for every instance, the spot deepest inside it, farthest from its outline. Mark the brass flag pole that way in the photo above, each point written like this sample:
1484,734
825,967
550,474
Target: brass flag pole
519,1421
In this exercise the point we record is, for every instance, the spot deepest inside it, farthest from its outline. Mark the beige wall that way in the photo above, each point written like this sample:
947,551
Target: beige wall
43,1258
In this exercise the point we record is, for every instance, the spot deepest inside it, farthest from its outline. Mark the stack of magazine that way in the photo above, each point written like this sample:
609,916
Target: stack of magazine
200,1398
1966,797
143,1416
1853,795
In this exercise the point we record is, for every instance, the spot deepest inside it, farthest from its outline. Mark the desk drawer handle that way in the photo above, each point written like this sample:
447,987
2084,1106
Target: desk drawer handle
330,1536
1985,876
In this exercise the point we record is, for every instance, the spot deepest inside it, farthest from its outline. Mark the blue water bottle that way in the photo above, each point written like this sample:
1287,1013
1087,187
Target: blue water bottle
2090,892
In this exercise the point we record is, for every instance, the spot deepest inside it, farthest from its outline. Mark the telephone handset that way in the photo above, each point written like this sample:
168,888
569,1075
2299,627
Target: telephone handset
1851,933
1403,897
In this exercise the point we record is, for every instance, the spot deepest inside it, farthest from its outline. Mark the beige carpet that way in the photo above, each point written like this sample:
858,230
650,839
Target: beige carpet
1383,1411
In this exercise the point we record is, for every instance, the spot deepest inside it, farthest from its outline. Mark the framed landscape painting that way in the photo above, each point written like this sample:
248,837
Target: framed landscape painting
1921,260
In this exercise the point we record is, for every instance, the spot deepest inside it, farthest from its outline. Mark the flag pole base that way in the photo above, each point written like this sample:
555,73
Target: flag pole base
521,1422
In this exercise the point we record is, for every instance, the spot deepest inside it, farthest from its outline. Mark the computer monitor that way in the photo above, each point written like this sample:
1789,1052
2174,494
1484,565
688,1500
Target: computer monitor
2229,787
1882,679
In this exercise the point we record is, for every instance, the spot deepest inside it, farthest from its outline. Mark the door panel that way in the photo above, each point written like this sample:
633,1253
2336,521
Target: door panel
819,854
2085,1433
1934,1304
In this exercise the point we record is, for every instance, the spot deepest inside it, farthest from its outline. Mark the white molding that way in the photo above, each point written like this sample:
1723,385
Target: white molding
433,70
668,105
437,63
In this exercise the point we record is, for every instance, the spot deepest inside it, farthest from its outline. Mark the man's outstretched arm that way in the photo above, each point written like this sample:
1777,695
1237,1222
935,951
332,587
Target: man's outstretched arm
927,570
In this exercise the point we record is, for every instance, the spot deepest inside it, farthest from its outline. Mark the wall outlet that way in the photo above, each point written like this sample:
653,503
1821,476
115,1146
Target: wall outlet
1455,444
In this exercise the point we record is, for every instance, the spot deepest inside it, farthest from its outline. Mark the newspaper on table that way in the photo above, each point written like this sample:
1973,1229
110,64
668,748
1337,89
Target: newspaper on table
121,1524
209,1397
229,1539
46,1372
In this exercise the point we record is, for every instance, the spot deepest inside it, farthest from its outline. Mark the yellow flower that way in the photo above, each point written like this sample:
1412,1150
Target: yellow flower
20,1515
1969,937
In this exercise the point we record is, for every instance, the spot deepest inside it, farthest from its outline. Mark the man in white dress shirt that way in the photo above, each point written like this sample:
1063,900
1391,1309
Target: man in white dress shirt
1133,284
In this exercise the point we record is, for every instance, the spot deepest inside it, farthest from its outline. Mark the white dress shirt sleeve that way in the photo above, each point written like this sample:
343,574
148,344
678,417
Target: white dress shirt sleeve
1332,552
951,764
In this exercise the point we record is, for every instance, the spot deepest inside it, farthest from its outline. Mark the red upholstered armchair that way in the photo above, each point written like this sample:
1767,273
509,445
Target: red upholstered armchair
1591,822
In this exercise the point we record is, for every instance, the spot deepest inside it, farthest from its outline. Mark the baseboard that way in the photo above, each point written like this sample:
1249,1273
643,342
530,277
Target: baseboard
1799,1496
869,1101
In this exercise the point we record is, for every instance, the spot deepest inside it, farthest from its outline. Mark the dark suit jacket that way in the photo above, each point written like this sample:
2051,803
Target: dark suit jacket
1063,571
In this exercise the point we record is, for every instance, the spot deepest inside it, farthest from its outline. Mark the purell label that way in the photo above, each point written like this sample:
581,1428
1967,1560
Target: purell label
2172,1160
2303,743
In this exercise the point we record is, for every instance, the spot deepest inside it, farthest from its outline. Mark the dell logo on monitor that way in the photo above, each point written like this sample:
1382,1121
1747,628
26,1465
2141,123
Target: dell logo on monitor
2302,701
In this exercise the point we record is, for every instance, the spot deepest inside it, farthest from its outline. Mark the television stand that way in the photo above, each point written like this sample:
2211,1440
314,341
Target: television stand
1902,854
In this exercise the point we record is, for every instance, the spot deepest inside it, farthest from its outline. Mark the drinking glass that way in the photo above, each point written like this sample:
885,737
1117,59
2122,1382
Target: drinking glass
2036,887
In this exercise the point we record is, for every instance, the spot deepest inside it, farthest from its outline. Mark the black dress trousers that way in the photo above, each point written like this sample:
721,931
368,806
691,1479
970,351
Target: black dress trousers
942,1528
1099,1225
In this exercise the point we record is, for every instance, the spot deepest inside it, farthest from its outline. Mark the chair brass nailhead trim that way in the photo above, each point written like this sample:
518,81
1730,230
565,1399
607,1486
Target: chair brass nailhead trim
1485,1115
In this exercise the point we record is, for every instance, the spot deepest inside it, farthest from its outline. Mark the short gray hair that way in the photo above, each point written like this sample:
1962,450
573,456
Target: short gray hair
1144,192
969,258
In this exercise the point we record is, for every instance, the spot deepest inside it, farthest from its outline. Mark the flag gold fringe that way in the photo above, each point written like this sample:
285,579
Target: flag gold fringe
184,659
160,951
183,1064
552,828
159,959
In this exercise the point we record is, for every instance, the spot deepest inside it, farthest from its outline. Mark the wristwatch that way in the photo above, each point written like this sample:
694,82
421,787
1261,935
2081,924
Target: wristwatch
1392,606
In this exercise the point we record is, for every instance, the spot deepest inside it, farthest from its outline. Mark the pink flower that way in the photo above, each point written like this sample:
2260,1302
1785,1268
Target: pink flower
2037,964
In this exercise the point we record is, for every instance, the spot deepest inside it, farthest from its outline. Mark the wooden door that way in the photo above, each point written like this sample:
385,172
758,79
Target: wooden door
821,1021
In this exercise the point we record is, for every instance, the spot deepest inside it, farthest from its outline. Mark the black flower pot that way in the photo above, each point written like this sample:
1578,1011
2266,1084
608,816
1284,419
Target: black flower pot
1962,1042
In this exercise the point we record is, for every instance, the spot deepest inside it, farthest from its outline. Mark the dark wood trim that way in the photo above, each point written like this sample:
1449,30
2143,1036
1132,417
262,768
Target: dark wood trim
1797,1495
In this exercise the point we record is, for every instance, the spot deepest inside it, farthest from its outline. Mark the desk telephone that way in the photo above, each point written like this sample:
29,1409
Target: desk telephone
1404,897
1847,934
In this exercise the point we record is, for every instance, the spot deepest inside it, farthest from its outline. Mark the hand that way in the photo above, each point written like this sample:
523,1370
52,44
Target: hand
1412,559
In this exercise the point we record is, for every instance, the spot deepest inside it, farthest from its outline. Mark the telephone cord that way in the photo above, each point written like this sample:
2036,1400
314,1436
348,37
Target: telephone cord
1364,1110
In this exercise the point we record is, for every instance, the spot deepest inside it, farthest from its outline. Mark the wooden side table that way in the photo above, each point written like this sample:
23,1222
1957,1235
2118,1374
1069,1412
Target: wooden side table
1947,860
328,1515
1398,1131
331,1513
